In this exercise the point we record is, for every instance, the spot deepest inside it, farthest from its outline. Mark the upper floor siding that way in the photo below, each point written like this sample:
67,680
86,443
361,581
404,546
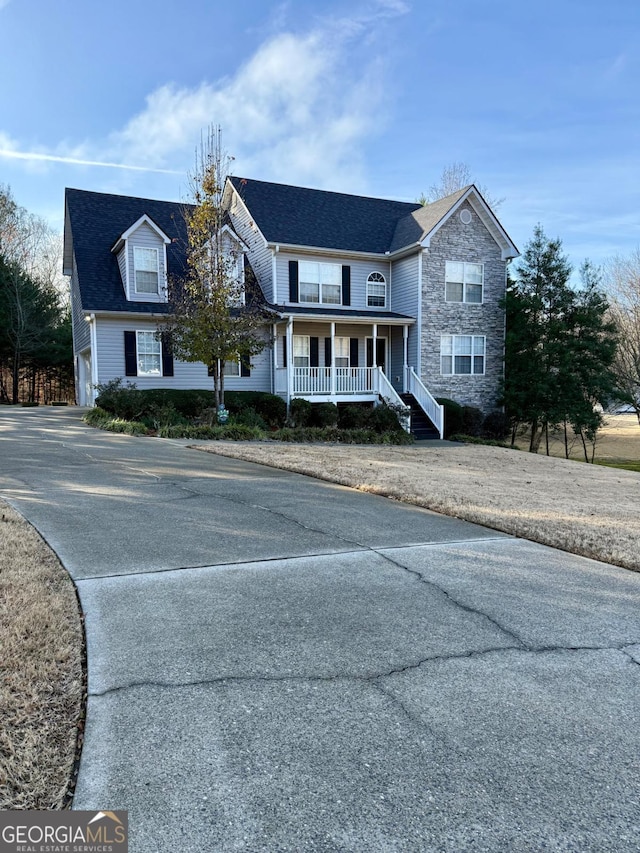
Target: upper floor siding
359,272
81,330
260,255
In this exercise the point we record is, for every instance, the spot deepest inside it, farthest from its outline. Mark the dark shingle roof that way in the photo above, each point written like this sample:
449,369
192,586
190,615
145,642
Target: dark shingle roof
97,220
305,217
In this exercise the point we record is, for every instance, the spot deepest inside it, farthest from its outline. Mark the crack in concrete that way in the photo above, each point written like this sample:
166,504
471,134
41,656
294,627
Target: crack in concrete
466,607
371,678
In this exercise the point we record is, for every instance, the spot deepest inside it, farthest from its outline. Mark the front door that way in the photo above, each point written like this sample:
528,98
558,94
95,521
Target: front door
381,353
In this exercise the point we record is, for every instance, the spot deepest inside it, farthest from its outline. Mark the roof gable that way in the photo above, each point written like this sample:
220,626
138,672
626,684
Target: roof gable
422,224
95,222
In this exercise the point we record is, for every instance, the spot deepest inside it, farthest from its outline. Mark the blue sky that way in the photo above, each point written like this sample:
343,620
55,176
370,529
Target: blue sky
374,97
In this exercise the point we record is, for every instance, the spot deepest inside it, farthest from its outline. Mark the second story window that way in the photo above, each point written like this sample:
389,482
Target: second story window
145,265
464,282
320,283
376,290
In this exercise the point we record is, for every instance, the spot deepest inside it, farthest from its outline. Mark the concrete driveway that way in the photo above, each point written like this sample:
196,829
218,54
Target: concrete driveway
282,664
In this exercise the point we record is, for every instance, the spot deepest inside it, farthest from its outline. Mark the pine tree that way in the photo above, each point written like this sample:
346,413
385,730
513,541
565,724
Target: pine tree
559,344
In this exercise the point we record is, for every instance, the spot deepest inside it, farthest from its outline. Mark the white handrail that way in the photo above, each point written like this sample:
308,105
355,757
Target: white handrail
428,403
389,394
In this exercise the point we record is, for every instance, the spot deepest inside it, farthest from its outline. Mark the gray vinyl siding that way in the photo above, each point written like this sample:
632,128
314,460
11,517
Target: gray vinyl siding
259,255
471,243
404,300
188,375
360,271
147,238
81,329
122,266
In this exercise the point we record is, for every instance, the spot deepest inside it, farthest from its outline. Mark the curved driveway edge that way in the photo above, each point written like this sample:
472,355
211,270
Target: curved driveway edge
277,663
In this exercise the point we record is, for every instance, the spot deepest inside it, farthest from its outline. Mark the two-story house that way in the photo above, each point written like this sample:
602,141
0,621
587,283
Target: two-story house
371,298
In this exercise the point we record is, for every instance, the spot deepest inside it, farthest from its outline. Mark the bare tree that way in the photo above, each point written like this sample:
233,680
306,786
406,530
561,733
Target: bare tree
453,178
622,276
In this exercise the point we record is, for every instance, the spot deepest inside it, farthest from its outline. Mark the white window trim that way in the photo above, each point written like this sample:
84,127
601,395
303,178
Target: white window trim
347,356
293,349
473,355
155,292
464,300
320,301
231,362
384,281
147,372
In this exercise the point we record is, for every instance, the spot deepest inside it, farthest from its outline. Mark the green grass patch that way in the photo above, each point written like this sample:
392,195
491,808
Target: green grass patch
627,466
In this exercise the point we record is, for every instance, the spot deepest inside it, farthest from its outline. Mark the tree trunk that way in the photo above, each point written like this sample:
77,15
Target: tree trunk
584,447
566,440
546,435
15,379
536,437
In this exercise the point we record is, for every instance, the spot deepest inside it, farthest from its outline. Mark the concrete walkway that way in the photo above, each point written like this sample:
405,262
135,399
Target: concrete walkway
282,664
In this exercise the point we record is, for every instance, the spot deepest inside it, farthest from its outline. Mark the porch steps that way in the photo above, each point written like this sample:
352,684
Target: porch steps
421,425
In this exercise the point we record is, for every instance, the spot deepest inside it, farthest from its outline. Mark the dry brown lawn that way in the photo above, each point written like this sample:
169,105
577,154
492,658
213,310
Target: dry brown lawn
586,509
41,664
618,441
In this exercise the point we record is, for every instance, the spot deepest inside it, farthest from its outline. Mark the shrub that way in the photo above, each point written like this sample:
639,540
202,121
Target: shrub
496,426
452,416
354,416
271,408
299,412
472,419
233,432
384,419
342,436
249,417
323,415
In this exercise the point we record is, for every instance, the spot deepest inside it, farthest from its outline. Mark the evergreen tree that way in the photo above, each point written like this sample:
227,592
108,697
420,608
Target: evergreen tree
559,344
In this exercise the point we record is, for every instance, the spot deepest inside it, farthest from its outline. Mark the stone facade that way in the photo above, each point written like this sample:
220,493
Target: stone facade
471,243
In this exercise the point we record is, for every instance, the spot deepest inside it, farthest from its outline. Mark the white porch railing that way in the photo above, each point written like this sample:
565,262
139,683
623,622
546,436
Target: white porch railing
308,381
425,400
390,396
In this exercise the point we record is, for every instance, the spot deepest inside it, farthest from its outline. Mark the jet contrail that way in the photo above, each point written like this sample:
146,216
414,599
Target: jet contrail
76,161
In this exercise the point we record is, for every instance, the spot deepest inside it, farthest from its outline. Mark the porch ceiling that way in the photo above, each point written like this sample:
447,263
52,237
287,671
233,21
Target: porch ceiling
382,318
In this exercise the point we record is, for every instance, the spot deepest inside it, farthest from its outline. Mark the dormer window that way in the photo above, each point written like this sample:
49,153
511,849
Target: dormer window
145,263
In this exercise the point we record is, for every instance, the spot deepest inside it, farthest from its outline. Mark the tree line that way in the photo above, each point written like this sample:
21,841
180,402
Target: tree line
36,352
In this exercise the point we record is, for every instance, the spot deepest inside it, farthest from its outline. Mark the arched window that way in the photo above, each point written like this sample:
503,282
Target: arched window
376,290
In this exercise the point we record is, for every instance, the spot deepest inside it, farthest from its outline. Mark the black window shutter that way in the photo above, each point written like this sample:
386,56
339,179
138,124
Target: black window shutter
130,355
167,356
245,366
284,352
370,352
327,352
293,281
353,352
346,285
314,360
209,371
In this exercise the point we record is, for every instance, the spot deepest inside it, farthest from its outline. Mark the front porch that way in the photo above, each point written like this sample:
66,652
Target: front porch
337,361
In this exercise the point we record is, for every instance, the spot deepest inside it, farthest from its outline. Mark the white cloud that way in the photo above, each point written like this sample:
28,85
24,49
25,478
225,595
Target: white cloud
298,109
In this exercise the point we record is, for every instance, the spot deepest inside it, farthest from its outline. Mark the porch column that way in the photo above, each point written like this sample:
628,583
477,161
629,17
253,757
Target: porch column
333,359
290,359
405,366
275,358
374,359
